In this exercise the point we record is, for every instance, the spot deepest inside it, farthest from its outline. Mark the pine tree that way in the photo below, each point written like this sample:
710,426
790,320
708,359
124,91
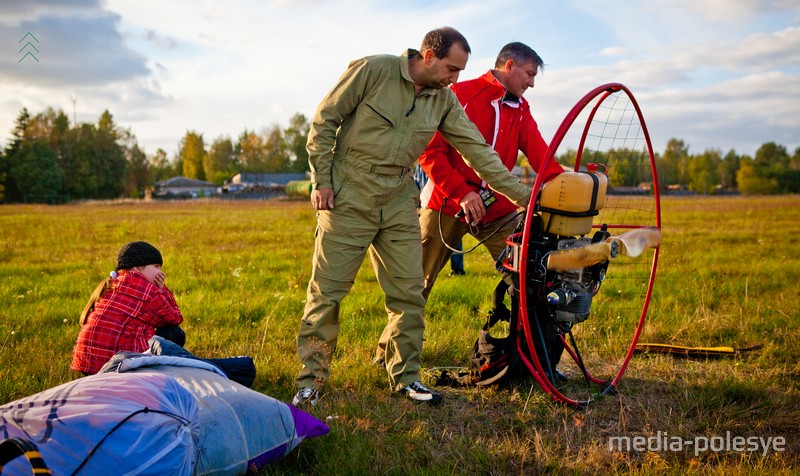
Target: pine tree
9,190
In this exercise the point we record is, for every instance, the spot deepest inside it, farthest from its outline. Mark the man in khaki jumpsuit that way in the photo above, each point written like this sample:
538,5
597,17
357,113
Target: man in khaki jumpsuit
366,135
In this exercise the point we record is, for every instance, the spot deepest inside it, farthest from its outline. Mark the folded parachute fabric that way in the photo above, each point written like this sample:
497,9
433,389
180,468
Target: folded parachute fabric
239,369
196,421
128,361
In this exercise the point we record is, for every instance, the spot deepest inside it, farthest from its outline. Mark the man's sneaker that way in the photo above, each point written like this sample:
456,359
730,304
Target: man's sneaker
306,395
419,393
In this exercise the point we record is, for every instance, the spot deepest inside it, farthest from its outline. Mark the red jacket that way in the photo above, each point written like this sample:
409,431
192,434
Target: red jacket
516,130
124,318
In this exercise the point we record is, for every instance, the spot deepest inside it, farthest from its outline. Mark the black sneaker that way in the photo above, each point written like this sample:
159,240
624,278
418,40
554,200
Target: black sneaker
419,393
306,395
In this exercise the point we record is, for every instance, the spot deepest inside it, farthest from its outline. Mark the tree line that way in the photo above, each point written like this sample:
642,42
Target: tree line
50,160
772,171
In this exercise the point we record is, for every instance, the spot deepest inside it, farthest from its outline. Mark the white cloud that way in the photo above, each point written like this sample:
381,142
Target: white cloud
742,113
14,12
700,72
612,51
761,51
73,50
159,39
735,11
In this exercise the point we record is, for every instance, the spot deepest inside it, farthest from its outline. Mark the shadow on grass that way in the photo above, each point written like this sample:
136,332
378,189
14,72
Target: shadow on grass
519,430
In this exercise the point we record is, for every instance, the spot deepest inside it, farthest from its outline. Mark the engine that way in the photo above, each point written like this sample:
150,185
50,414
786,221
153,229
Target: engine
568,294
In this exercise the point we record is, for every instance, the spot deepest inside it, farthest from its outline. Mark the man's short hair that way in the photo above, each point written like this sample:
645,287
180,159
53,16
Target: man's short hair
441,39
520,53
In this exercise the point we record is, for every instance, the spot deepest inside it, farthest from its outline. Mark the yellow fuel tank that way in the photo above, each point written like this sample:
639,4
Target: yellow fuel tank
570,201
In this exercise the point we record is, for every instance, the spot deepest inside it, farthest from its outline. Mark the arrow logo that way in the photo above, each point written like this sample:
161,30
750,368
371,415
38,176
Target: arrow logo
28,46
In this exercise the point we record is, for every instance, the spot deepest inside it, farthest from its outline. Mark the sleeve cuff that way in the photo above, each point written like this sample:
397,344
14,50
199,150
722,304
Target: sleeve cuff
321,182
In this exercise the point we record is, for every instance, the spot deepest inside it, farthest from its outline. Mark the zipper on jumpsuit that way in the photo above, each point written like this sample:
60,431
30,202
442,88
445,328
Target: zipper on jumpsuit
413,105
408,113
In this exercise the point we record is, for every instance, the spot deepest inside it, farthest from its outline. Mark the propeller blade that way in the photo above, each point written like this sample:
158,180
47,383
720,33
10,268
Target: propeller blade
582,257
634,242
631,243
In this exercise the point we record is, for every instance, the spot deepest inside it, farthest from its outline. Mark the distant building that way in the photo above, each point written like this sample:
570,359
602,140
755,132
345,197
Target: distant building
183,187
252,185
244,179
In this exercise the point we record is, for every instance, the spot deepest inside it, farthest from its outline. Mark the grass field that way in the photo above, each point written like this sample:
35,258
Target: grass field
729,274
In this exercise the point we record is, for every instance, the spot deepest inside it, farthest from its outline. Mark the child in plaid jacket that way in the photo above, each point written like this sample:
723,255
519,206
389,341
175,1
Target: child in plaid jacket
126,310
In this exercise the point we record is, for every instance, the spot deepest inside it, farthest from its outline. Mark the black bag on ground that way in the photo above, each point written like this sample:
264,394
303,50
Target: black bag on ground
493,357
495,360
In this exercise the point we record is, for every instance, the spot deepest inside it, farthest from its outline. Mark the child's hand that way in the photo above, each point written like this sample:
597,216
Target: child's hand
159,280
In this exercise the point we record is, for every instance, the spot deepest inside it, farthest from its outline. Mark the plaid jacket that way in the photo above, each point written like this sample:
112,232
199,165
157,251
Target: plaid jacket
124,318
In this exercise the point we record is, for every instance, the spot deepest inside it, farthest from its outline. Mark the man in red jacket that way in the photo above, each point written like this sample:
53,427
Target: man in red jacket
495,104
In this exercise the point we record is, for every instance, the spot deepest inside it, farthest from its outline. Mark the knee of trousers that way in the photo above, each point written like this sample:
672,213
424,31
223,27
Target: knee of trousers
405,295
321,313
406,315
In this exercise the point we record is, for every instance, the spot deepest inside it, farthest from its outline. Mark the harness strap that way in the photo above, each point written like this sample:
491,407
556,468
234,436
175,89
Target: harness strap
11,448
553,211
595,188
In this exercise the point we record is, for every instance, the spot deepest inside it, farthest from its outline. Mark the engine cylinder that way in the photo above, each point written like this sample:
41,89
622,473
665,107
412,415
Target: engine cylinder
577,310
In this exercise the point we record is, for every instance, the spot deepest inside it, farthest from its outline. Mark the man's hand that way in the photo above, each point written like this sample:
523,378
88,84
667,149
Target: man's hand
473,208
322,199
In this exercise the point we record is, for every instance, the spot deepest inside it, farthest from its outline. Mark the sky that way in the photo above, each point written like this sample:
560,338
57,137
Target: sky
717,74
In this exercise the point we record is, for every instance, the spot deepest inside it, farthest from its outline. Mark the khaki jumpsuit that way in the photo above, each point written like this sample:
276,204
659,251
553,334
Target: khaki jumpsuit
366,135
